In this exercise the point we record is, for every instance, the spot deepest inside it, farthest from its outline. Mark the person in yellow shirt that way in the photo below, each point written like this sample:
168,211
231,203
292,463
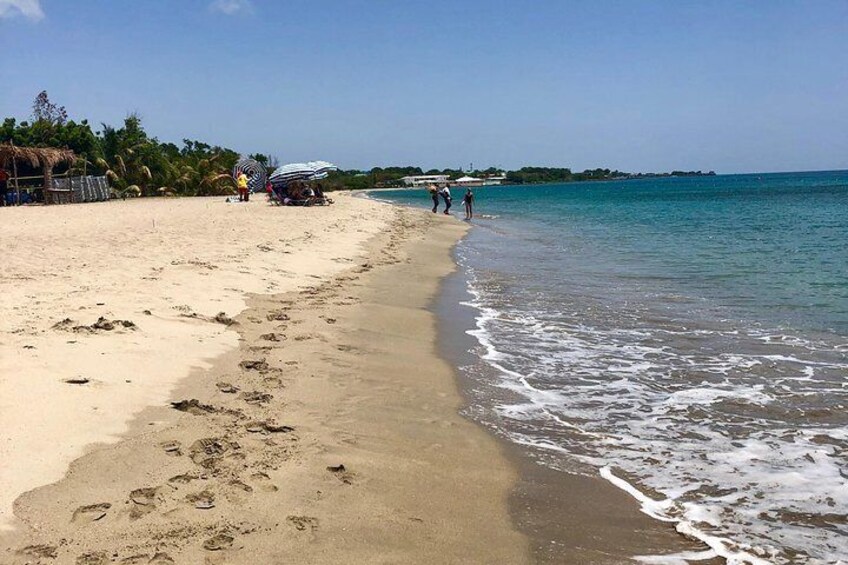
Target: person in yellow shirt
244,193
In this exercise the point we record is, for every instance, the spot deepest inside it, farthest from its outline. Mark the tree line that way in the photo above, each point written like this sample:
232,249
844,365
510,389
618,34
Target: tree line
390,177
139,164
135,162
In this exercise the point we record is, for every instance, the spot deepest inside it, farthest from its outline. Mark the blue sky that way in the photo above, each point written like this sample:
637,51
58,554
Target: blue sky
638,86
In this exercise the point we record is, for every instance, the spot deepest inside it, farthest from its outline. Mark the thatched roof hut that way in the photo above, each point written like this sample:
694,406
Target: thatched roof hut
44,157
47,157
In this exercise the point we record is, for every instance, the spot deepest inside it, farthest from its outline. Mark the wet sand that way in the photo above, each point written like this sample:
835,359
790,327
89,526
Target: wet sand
568,517
331,433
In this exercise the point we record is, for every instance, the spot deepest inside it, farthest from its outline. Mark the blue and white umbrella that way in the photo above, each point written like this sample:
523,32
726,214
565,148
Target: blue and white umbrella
322,168
255,171
313,170
292,171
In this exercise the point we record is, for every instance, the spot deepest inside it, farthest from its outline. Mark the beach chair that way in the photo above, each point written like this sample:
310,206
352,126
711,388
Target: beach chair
275,196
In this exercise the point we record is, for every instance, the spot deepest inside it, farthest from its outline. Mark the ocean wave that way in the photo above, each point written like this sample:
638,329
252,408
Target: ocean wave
738,431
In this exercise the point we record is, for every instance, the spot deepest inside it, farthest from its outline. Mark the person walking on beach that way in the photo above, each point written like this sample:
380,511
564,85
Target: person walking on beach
244,194
468,200
434,194
446,195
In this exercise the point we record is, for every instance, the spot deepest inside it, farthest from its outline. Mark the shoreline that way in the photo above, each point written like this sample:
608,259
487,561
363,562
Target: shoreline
407,272
568,517
314,441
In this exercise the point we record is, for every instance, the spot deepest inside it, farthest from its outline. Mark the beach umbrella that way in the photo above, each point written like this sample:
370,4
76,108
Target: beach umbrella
292,171
313,170
255,171
322,168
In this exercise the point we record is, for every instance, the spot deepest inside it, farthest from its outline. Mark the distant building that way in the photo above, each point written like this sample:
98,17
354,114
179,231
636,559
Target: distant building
468,181
425,180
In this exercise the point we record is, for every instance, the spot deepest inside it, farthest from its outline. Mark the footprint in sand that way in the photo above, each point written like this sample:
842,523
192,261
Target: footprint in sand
240,485
203,500
93,558
161,559
256,397
272,337
227,388
144,502
183,479
205,451
277,316
42,551
144,496
254,365
172,448
303,523
91,512
264,481
218,542
272,382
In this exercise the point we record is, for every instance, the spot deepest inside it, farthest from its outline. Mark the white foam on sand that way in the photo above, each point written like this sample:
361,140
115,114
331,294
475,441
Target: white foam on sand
729,439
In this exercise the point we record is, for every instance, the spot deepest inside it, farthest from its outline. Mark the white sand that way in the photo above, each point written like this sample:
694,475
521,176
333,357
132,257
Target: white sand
118,259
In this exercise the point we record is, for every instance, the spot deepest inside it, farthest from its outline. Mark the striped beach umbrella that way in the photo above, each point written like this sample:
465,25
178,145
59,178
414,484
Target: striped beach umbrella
322,168
255,171
313,170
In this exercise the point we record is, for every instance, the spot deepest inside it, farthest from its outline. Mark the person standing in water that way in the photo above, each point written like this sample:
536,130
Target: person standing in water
244,194
468,200
434,194
446,195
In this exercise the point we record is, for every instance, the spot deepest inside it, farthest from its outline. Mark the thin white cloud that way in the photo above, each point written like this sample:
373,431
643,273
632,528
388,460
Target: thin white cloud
30,9
230,7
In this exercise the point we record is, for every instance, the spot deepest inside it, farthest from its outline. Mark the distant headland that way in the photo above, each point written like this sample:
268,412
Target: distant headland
391,177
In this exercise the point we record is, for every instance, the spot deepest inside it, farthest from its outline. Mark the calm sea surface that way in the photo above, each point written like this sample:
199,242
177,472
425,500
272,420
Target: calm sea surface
686,339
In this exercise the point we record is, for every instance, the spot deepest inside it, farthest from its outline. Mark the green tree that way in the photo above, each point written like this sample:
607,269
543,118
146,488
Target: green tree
129,156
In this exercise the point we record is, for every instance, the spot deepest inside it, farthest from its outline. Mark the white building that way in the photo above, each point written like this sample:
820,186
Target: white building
468,181
425,180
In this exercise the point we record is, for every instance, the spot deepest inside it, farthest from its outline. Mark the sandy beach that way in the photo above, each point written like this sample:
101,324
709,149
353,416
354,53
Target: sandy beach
166,267
188,381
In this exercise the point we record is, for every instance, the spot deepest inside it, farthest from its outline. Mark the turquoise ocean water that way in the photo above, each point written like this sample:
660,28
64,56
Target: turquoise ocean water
685,338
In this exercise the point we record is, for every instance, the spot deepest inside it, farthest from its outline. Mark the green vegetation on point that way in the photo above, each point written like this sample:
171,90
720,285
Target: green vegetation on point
139,164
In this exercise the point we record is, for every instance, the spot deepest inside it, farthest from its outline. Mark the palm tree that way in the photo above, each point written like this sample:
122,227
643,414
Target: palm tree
200,177
127,172
211,180
129,155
